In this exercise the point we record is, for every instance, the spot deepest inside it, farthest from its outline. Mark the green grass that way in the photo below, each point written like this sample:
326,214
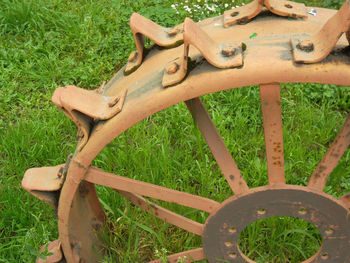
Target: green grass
45,44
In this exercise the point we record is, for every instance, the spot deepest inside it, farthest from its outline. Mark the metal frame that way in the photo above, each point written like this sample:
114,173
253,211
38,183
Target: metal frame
268,61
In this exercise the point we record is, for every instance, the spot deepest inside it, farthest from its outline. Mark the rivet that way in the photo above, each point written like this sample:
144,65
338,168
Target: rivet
262,211
173,32
228,244
232,230
302,211
324,256
228,51
329,231
232,255
306,45
132,56
172,68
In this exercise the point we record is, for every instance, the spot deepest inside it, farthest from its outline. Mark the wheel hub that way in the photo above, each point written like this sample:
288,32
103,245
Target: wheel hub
329,215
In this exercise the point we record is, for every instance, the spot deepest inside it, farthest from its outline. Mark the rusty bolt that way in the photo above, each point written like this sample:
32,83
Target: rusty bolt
60,172
173,32
234,14
306,45
228,51
172,68
132,56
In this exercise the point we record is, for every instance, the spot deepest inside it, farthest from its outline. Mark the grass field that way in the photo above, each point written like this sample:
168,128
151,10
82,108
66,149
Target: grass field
45,44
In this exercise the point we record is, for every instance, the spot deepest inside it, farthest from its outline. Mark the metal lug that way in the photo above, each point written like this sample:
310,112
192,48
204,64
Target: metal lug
218,55
317,47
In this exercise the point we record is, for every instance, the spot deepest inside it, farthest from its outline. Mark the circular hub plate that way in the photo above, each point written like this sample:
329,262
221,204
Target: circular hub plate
329,215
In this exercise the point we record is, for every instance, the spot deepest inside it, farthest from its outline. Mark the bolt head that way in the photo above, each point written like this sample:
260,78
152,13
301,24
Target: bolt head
60,172
172,68
133,56
228,51
173,32
235,13
306,45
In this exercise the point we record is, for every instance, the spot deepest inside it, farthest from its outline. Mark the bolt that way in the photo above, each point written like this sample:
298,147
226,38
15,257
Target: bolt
133,56
306,45
288,6
60,172
172,68
234,14
228,51
173,32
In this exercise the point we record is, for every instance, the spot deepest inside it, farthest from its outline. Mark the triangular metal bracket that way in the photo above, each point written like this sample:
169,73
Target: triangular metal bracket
243,14
142,27
218,55
86,106
317,47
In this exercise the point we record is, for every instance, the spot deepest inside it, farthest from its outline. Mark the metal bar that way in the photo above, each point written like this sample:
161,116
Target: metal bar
319,178
97,176
217,146
186,256
272,117
164,214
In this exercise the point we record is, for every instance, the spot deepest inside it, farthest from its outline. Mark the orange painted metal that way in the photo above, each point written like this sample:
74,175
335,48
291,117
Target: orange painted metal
164,214
268,58
186,256
97,176
317,47
243,14
142,27
217,146
218,55
272,117
54,252
319,178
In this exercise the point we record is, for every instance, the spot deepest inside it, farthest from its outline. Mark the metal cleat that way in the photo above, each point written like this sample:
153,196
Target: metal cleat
218,55
243,14
317,47
142,27
86,106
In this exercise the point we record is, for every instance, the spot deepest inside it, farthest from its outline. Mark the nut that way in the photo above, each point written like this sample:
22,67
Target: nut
172,68
236,13
306,45
60,172
133,56
228,51
173,32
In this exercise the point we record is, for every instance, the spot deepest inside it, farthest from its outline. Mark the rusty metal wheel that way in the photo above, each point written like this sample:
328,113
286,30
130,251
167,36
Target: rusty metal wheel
217,55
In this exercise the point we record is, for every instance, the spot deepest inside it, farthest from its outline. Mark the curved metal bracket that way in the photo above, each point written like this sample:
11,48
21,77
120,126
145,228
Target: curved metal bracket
44,183
55,253
142,27
85,106
317,47
218,55
243,14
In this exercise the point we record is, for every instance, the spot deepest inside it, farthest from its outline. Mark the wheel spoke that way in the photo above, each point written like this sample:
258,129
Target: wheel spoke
164,214
97,176
217,146
272,117
319,178
186,256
